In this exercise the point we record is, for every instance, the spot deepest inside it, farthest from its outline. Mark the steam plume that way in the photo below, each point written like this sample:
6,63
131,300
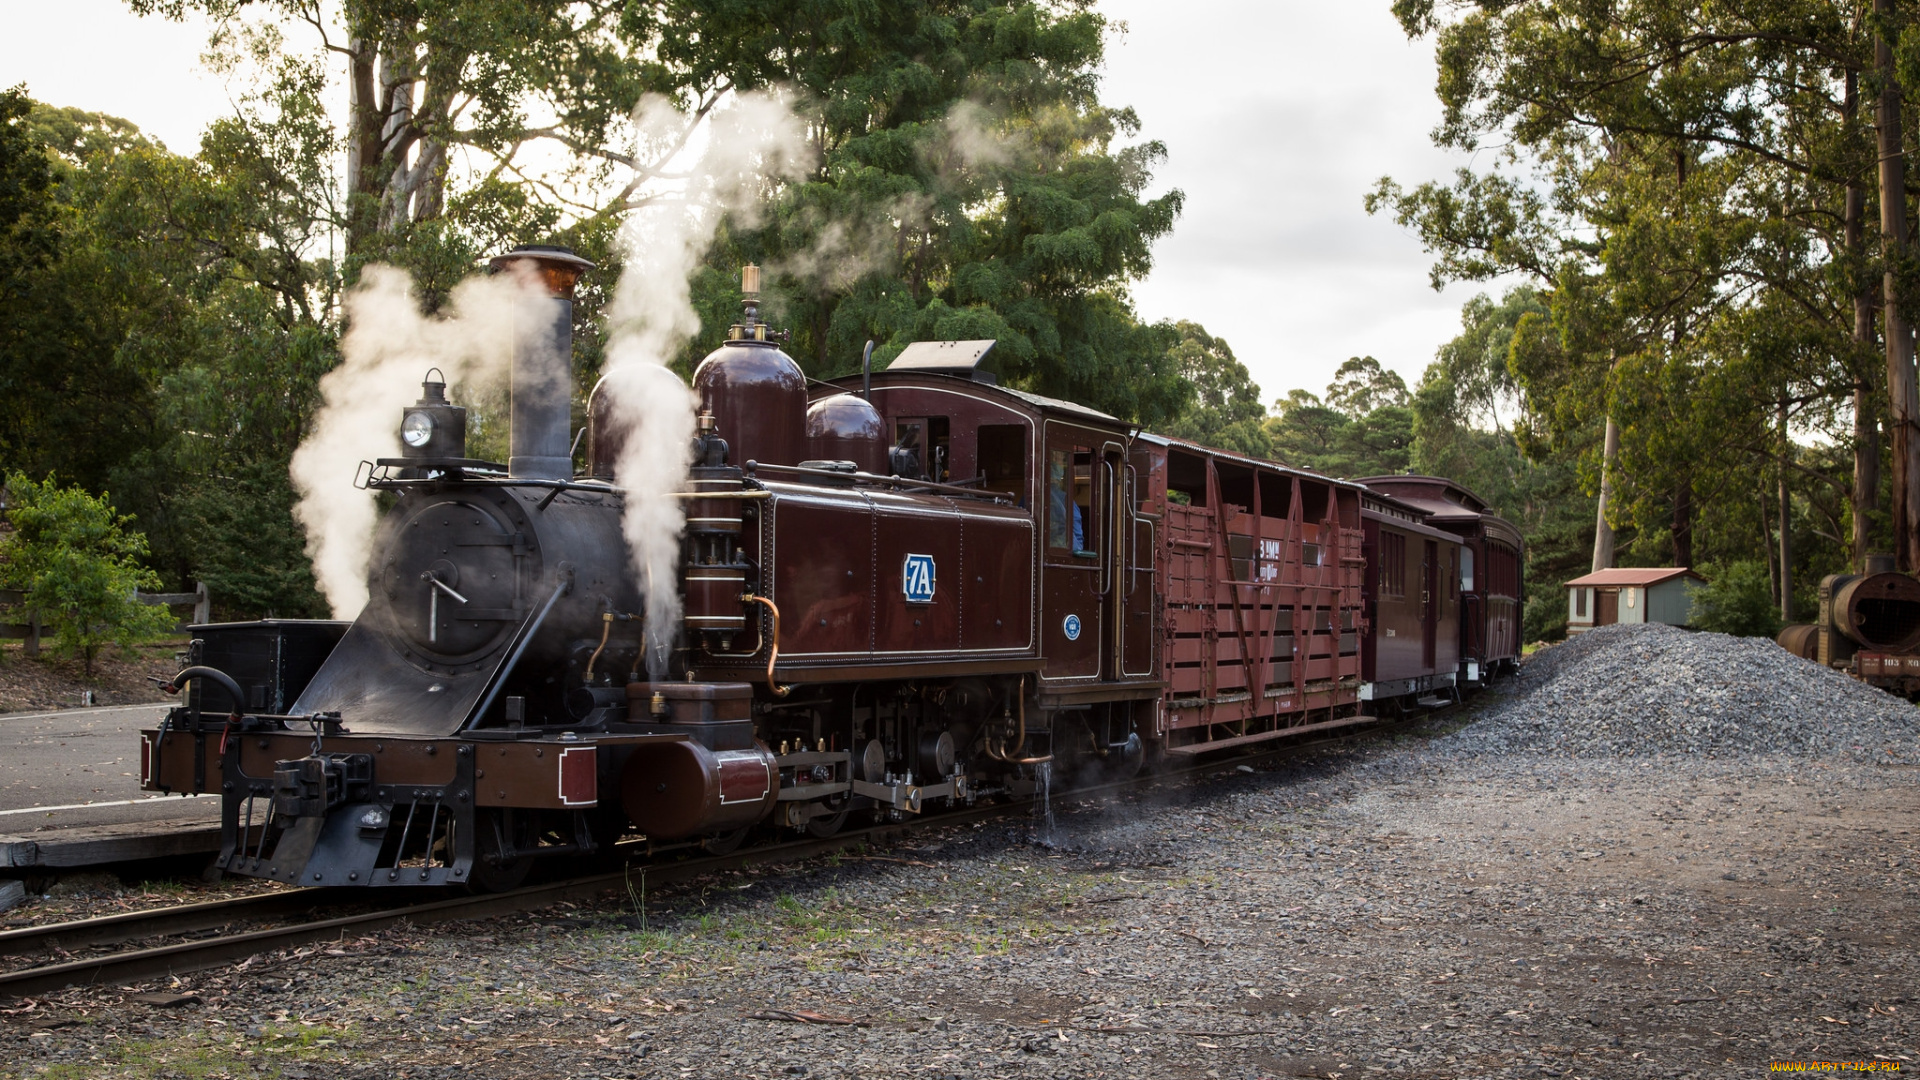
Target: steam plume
388,347
753,143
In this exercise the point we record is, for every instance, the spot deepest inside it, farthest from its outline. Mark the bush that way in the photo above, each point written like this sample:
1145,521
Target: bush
78,566
1737,600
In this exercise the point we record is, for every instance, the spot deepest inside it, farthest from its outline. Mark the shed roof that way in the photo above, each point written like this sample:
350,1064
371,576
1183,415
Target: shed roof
1635,575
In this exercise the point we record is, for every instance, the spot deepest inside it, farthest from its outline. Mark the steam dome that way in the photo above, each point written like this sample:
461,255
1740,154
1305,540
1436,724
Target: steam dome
758,398
845,427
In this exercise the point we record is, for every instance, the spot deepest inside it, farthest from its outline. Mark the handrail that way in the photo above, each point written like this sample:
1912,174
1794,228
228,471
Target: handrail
887,481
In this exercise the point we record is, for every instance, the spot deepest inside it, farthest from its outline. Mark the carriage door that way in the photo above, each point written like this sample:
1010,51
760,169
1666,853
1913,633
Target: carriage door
1116,511
1076,571
1429,603
1137,624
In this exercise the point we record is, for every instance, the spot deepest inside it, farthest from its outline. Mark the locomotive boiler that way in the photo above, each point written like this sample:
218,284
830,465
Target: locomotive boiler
1869,627
900,591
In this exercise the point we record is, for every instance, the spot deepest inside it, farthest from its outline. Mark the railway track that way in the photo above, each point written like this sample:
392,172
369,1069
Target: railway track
221,942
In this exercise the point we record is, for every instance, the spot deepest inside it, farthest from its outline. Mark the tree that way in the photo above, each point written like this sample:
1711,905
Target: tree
1471,425
1307,434
78,565
1226,412
168,346
1361,385
1686,187
969,184
968,181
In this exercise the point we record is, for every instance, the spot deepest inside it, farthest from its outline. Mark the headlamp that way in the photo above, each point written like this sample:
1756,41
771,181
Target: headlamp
416,429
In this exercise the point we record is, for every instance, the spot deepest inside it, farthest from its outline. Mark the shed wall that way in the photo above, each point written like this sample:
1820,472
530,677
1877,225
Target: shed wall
1633,604
1671,602
1576,618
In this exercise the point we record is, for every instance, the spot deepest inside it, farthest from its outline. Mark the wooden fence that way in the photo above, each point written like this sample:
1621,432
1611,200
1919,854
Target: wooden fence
10,601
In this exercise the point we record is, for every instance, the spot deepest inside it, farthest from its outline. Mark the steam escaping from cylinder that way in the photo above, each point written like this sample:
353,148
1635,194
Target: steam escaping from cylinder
387,349
750,144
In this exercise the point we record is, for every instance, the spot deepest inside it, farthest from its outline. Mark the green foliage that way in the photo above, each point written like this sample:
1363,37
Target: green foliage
1469,422
1738,599
1361,386
1226,412
165,317
78,565
26,178
171,340
970,184
248,549
1308,434
1689,192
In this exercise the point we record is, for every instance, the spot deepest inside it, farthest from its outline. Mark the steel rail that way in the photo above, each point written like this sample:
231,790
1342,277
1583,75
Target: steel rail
197,955
168,921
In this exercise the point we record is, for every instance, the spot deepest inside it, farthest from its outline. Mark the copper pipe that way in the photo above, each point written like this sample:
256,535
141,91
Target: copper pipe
1020,741
774,654
607,619
606,628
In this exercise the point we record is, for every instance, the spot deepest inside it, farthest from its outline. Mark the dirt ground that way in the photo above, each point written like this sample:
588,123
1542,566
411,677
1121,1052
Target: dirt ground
1395,910
47,682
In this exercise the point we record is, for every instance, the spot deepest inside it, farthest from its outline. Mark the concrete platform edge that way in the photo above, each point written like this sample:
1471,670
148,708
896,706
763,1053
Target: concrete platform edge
95,845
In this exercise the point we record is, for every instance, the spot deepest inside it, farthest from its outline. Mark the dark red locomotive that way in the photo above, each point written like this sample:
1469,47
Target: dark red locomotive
901,593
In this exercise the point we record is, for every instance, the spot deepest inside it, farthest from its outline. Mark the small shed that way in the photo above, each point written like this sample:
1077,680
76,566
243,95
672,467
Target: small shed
1661,594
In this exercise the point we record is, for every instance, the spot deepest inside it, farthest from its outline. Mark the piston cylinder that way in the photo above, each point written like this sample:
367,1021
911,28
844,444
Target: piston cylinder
1801,639
677,790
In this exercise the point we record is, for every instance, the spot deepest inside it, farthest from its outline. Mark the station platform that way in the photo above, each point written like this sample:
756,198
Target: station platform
70,792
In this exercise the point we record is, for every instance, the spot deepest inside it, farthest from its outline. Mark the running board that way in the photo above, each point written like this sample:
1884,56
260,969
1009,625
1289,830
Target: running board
1196,749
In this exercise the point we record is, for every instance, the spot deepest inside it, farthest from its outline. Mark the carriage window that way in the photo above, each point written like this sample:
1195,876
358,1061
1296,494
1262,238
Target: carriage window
1579,603
1466,569
1070,500
1393,564
1453,578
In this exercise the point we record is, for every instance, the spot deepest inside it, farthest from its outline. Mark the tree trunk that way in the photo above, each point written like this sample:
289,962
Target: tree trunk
1786,520
1683,522
1903,398
363,142
1866,429
1603,532
1766,544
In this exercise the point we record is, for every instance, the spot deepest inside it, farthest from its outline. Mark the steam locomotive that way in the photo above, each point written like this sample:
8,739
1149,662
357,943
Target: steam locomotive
1869,627
903,591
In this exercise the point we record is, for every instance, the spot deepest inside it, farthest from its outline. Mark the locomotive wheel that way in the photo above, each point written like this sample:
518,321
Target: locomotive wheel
490,873
827,824
726,843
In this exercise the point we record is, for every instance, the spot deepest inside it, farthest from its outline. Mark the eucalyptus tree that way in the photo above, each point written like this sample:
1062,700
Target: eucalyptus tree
1689,187
969,183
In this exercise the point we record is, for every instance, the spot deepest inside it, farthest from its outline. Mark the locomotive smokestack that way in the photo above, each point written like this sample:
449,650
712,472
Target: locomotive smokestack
542,375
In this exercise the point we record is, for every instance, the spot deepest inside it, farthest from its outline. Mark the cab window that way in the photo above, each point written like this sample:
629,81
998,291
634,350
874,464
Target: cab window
1002,457
1070,500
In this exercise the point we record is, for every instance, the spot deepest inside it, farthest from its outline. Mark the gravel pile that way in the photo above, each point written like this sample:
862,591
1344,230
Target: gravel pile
1628,691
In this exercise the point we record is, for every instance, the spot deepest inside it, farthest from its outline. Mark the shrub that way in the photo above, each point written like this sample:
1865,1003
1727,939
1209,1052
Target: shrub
78,566
1737,600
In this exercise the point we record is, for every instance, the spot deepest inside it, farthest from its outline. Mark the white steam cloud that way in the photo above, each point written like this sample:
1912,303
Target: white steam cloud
961,154
388,347
752,143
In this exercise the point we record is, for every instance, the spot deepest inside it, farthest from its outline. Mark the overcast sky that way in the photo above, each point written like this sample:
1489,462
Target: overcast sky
1278,116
